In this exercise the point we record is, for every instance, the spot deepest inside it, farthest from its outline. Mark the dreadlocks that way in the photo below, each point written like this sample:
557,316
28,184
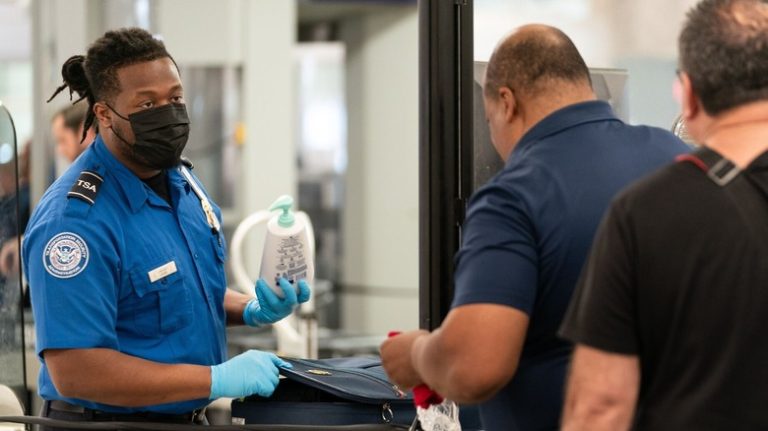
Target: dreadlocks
94,76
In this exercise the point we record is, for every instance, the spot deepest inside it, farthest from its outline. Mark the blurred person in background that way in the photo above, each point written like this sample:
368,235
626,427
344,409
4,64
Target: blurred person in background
67,129
12,224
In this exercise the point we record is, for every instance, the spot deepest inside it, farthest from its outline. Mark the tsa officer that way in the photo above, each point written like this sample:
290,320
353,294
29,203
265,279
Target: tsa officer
125,258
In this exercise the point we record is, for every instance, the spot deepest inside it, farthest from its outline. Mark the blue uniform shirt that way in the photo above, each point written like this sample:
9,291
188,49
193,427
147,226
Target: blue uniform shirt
528,232
127,272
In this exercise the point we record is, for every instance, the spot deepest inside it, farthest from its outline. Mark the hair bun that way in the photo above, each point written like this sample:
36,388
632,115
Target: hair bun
73,72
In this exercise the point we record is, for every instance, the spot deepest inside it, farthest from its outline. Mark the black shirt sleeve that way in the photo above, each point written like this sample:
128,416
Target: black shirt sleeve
602,311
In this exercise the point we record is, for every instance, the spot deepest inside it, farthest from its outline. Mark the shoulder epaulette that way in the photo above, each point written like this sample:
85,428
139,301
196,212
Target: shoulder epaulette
86,187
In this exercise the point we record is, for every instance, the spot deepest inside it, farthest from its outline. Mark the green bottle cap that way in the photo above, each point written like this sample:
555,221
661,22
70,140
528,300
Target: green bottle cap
285,204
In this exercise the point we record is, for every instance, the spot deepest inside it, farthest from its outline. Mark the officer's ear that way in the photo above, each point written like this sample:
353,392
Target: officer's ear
103,115
508,103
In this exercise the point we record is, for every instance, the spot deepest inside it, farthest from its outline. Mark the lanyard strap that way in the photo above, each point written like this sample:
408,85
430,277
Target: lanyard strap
210,215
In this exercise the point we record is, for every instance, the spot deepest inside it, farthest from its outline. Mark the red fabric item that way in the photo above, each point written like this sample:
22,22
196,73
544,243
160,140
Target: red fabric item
423,395
693,159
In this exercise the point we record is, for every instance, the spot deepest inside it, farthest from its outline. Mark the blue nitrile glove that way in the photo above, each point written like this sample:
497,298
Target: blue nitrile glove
252,372
268,308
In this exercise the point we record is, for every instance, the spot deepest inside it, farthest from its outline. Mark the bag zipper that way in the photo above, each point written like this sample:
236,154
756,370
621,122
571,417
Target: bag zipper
340,391
398,393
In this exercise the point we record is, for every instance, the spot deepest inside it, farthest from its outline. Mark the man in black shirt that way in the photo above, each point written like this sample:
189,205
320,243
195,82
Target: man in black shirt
670,313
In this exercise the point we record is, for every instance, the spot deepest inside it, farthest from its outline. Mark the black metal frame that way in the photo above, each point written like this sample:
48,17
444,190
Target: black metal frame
445,141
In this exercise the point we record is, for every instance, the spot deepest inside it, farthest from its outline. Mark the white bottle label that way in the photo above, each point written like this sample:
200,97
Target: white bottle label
292,260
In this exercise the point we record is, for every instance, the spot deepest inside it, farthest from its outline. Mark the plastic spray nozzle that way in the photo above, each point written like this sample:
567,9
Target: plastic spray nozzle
285,204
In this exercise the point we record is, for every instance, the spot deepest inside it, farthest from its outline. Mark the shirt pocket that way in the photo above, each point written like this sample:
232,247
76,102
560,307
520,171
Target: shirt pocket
161,306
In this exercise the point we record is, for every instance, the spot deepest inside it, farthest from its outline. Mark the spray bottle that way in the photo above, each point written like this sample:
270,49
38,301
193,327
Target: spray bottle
287,248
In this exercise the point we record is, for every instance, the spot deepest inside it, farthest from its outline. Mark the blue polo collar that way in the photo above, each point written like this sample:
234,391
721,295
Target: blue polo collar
565,118
133,189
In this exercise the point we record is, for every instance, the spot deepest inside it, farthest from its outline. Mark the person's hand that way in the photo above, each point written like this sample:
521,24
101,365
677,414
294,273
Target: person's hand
268,308
252,372
396,359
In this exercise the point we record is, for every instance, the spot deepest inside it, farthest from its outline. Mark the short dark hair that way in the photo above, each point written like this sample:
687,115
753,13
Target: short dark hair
73,116
724,51
94,76
524,61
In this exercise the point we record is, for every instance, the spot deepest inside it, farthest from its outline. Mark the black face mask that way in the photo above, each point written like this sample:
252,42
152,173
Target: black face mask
160,135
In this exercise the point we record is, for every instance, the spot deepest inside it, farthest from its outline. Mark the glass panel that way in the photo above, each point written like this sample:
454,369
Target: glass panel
628,35
213,103
487,160
13,192
322,161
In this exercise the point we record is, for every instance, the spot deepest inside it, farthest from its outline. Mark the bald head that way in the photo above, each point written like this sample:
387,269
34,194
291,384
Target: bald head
533,72
535,59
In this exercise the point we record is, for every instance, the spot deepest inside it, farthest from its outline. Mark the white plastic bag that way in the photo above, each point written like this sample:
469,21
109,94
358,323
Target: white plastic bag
439,417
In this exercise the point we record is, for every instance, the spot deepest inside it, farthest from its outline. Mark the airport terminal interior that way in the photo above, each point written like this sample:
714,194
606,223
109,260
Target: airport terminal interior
335,103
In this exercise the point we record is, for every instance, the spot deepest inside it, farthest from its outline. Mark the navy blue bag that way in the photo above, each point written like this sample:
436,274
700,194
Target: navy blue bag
339,391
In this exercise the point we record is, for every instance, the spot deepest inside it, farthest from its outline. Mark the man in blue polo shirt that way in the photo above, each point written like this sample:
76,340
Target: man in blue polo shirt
527,234
125,258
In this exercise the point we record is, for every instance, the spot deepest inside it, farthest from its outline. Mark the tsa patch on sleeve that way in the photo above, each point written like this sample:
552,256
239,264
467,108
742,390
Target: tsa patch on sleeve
86,187
65,255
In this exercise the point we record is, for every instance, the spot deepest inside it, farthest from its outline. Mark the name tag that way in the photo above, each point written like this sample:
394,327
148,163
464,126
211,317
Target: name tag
162,271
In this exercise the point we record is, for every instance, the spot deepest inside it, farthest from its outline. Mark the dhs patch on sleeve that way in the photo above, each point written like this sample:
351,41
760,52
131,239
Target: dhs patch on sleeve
65,255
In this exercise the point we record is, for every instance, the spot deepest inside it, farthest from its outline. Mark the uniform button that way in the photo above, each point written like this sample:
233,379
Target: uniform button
195,255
